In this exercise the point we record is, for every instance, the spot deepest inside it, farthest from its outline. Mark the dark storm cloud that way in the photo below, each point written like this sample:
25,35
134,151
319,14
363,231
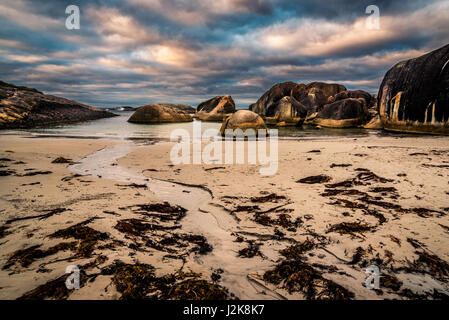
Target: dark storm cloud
139,51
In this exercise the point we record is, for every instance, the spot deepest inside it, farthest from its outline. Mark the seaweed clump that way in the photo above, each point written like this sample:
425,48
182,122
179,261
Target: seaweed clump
251,251
390,282
138,281
132,281
62,160
88,237
168,242
35,173
350,228
5,173
25,257
283,220
201,246
432,264
55,289
435,295
298,276
268,198
138,227
4,231
296,251
163,211
315,179
197,289
363,178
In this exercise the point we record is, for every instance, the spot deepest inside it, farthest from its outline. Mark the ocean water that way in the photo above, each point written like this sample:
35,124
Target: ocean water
119,128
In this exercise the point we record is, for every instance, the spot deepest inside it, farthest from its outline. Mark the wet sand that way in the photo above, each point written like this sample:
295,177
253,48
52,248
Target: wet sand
357,202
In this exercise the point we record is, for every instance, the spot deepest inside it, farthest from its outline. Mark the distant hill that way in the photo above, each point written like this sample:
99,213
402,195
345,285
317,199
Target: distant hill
22,107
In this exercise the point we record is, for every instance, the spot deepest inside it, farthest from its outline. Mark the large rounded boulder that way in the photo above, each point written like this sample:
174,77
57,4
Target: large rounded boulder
273,95
355,94
215,109
183,107
286,112
313,99
328,89
414,94
159,113
243,119
343,114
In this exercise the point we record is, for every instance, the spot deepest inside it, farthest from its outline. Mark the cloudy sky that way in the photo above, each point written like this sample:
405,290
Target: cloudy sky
135,52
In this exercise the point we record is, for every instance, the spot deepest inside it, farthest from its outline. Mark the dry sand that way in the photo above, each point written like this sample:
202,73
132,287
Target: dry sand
395,198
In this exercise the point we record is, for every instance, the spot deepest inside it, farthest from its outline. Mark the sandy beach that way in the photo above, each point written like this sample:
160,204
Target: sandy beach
334,208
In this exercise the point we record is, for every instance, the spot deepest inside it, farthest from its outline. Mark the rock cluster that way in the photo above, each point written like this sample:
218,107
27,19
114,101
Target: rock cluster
319,103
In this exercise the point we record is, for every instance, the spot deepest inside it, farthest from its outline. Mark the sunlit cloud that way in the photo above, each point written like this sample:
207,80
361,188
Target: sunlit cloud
25,58
121,29
319,37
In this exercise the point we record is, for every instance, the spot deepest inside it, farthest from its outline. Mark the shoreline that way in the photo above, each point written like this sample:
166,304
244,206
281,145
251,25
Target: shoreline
298,213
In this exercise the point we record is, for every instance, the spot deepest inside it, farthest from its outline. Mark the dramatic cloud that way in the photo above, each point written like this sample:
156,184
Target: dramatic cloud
136,52
199,12
117,28
318,37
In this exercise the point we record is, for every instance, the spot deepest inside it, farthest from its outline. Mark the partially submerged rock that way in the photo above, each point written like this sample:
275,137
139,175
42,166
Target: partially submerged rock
22,107
215,109
414,94
159,113
342,114
243,119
